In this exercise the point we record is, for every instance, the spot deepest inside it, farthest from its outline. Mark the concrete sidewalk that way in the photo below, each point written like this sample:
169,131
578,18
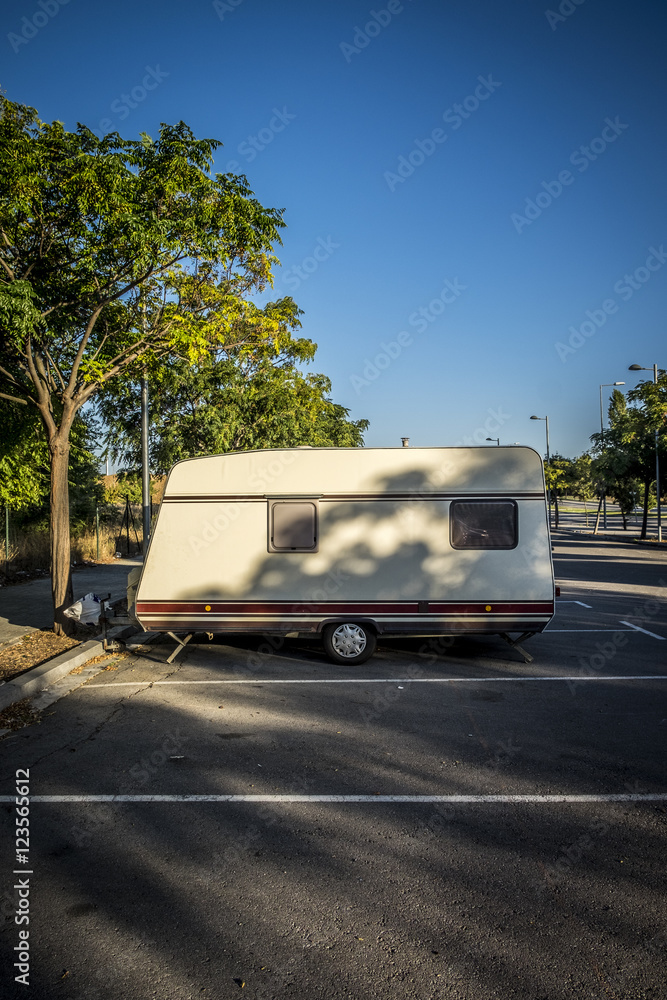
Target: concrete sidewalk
27,606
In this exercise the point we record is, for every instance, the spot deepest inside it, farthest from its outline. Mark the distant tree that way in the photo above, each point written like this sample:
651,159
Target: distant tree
114,253
625,453
580,479
556,473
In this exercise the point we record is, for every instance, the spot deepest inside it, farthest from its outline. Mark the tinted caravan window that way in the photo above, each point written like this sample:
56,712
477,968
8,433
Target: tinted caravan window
483,524
293,526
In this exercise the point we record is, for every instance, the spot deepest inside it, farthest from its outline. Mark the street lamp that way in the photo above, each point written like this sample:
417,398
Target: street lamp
548,464
497,440
640,368
605,385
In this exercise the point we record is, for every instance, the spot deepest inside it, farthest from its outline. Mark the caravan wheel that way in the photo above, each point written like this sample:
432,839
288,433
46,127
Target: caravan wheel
349,642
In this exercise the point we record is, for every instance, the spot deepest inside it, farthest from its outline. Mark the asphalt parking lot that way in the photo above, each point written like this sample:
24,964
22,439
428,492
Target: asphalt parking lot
443,821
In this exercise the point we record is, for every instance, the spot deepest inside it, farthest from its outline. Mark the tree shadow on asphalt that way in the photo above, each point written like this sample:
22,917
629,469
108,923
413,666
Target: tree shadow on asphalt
335,899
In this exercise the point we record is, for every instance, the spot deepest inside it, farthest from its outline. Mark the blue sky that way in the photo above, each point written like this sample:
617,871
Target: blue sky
474,192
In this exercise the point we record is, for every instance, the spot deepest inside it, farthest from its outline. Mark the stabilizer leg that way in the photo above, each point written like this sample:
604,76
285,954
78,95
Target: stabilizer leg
514,643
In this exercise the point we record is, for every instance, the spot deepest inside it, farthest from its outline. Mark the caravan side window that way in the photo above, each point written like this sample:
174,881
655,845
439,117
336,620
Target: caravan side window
292,526
483,524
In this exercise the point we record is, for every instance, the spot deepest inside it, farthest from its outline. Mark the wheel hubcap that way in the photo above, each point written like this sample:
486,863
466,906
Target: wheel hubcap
349,640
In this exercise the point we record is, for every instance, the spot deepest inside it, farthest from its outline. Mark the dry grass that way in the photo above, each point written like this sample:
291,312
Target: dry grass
29,554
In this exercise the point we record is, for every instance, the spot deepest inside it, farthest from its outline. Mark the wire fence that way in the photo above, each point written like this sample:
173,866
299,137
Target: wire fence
116,532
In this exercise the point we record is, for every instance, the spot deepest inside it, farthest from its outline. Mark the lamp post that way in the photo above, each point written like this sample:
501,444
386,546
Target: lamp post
654,369
497,440
605,385
548,464
145,471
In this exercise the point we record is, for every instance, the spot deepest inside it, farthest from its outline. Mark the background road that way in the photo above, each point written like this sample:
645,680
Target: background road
293,888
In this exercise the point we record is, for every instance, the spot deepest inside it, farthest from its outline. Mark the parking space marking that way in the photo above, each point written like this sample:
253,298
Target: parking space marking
638,629
408,799
575,602
380,680
546,630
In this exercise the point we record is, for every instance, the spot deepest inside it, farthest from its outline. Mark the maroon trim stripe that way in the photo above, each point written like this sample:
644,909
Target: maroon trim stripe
331,608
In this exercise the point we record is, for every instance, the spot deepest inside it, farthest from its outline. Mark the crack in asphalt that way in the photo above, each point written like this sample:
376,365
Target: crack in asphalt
118,707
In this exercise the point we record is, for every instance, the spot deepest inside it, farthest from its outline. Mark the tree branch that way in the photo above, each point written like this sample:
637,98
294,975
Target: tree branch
14,399
7,268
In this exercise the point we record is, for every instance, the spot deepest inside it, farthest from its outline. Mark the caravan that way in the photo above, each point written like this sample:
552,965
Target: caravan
351,544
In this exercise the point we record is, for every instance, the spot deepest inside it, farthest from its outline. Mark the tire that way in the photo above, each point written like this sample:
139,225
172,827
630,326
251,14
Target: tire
349,642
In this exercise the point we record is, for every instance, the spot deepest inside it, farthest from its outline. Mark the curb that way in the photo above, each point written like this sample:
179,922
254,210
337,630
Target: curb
628,540
38,678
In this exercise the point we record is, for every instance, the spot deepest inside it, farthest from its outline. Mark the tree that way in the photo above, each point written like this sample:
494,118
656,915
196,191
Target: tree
625,453
242,399
555,476
580,478
652,399
114,253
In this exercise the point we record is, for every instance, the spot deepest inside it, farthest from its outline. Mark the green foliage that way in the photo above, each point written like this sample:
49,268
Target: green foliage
24,466
24,459
580,478
118,487
238,401
626,451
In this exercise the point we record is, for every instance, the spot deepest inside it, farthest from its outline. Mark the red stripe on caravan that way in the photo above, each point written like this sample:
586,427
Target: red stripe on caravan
340,608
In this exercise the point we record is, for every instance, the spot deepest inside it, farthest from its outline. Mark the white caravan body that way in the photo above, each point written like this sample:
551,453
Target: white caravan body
406,541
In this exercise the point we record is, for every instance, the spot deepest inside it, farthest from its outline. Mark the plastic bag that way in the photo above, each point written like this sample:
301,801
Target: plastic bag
86,610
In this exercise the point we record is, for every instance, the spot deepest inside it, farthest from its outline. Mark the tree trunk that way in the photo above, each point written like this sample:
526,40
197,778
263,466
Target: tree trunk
556,508
647,486
61,577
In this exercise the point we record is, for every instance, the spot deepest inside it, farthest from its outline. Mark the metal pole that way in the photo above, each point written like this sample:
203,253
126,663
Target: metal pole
145,473
657,463
604,488
549,467
97,529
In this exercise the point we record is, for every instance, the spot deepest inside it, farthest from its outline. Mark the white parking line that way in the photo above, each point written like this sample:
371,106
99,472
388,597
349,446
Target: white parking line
638,629
467,799
574,602
379,680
